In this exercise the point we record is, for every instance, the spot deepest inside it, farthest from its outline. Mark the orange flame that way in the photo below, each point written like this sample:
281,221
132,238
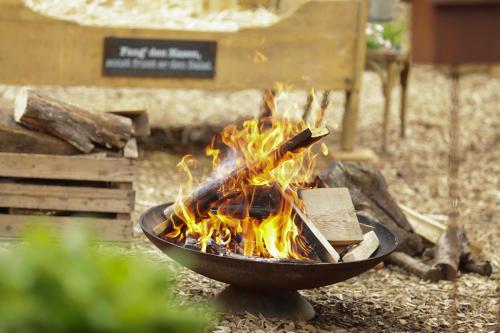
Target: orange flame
273,236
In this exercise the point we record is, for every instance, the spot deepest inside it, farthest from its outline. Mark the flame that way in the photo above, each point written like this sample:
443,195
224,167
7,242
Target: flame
273,236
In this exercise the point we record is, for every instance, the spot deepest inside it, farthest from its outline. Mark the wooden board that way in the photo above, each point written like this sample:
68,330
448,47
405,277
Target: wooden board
79,167
66,198
320,45
332,212
424,226
320,244
130,150
364,249
12,226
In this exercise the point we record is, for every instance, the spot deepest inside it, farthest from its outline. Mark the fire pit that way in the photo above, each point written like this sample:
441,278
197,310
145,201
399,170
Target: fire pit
269,288
263,222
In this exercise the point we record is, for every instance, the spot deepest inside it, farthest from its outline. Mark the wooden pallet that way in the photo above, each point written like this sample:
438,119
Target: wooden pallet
92,190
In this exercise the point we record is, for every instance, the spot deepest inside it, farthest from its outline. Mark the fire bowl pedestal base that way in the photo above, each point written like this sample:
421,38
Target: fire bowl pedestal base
283,304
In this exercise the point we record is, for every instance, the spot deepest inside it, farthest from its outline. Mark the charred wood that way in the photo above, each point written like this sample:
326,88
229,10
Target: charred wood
204,197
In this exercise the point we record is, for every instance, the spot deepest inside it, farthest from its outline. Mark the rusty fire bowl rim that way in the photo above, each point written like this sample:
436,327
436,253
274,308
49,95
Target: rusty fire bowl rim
262,274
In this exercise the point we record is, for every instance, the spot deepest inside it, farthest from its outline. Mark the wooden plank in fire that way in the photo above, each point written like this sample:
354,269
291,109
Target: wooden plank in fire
332,212
364,249
321,246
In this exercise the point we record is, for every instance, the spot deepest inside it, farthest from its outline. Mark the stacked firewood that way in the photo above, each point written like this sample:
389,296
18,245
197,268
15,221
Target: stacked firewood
371,197
43,125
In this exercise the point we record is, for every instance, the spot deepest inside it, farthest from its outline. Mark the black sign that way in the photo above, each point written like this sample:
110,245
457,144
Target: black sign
158,58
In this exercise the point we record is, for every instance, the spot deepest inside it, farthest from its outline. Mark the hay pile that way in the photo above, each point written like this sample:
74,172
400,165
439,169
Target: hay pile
157,14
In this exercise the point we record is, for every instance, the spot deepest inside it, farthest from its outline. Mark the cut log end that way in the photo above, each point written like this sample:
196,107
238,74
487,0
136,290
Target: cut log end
319,132
20,103
364,249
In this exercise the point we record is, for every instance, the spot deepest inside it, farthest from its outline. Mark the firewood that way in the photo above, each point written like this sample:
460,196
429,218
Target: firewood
239,211
16,139
447,253
468,262
424,226
332,212
414,266
364,249
192,243
140,120
371,198
482,268
130,150
261,259
201,200
319,243
366,228
75,125
264,202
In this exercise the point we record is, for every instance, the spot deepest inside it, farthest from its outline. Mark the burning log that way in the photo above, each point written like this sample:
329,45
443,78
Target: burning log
265,201
414,266
332,212
260,259
77,126
202,199
192,243
364,249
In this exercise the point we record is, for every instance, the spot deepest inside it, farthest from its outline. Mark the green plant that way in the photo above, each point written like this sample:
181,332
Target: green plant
385,35
53,284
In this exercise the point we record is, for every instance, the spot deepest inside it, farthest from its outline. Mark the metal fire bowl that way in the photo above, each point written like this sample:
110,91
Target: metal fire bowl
251,274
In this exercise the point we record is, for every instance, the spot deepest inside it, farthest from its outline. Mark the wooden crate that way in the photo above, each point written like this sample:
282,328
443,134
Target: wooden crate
315,44
91,190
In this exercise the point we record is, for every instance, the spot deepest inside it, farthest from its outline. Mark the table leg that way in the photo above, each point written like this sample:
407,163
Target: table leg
405,73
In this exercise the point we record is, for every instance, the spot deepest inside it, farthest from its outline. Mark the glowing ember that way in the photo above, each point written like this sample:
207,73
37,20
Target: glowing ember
255,174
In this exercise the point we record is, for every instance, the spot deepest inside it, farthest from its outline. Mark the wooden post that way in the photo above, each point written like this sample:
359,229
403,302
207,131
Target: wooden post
349,122
350,118
405,73
387,89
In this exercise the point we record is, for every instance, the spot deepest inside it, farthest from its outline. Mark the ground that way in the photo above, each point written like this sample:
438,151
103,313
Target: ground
415,168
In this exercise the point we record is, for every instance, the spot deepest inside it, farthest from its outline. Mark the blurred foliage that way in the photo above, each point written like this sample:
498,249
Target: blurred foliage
63,284
385,35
